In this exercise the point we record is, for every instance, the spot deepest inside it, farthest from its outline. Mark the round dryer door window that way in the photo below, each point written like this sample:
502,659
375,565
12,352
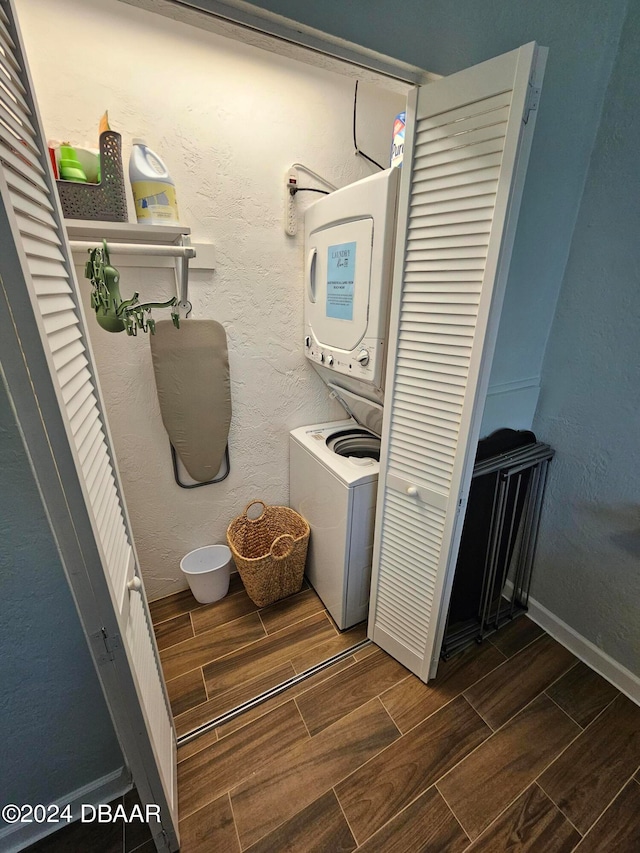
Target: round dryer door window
359,443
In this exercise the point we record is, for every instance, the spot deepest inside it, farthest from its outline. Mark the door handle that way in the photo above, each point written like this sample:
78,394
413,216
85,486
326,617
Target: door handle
135,584
311,275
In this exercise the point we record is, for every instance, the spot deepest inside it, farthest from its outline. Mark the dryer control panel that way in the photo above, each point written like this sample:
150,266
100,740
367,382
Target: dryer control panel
349,238
359,363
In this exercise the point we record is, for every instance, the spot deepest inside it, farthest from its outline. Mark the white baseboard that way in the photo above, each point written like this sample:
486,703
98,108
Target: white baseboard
586,651
17,836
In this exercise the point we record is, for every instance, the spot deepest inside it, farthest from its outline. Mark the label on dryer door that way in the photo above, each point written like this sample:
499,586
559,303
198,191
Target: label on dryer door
341,268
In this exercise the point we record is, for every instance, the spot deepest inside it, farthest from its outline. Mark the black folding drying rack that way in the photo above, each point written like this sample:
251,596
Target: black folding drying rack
493,573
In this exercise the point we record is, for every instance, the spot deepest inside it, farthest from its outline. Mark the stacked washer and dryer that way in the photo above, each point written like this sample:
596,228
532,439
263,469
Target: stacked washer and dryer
334,467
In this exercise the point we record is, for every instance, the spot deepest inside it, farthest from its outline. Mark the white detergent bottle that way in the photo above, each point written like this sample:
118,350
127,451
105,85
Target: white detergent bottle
154,192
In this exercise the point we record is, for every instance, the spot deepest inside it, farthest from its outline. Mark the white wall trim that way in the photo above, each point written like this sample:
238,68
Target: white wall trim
18,835
510,404
515,385
586,651
254,25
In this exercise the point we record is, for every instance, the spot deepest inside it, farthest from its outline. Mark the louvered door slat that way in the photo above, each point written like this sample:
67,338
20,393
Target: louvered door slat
51,286
440,452
417,312
465,157
63,338
425,474
481,214
413,426
467,133
477,237
448,384
442,362
11,82
440,300
31,228
27,188
72,368
102,494
89,443
473,109
29,208
79,406
460,128
20,127
17,159
426,193
75,385
122,555
55,304
448,178
463,248
86,426
8,69
41,249
428,146
458,171
12,92
83,404
456,231
421,206
94,466
437,390
423,590
7,45
57,322
108,524
430,527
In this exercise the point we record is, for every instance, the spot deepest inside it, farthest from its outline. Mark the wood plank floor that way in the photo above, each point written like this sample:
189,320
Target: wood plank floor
217,656
517,746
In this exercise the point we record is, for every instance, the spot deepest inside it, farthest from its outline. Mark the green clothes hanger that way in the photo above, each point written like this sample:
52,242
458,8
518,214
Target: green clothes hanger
115,314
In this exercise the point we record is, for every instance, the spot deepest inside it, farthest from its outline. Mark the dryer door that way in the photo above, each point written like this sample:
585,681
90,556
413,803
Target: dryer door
338,282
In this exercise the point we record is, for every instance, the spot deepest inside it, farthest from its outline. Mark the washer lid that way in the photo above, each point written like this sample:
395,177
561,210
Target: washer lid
367,413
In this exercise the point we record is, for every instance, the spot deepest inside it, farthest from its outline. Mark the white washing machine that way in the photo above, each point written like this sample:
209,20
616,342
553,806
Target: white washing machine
333,468
333,480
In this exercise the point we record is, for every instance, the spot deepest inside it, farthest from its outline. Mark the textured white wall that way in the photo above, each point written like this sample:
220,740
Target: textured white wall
587,569
229,120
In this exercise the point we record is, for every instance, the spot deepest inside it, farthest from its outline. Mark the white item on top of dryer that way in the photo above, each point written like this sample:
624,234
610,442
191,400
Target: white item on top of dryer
349,241
333,482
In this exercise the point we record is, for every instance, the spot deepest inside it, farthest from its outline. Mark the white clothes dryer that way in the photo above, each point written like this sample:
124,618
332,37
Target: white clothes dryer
333,480
349,236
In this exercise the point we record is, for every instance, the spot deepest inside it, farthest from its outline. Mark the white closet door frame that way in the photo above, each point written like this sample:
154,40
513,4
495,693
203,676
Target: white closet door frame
524,70
77,479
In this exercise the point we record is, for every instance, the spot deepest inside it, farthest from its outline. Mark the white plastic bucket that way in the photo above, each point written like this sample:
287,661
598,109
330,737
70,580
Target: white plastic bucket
207,570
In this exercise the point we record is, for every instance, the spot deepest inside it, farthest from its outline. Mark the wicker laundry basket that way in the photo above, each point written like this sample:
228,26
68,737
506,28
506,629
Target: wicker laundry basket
269,552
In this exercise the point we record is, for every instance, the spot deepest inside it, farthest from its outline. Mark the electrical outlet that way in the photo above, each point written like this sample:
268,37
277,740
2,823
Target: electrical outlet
290,218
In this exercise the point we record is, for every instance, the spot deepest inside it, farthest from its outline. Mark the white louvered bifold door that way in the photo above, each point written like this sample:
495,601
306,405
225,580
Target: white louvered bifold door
30,200
468,140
